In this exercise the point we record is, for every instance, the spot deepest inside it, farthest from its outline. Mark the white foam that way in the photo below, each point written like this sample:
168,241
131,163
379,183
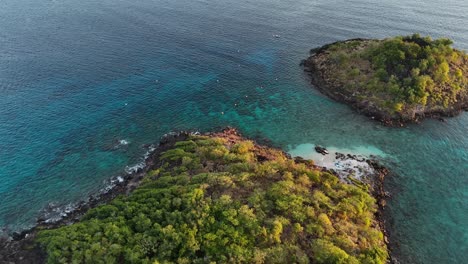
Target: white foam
55,212
150,150
123,142
134,168
142,164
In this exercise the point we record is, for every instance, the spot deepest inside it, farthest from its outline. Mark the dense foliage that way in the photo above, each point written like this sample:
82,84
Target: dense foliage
402,73
218,201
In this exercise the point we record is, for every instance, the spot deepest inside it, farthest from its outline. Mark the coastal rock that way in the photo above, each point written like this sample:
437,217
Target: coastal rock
321,150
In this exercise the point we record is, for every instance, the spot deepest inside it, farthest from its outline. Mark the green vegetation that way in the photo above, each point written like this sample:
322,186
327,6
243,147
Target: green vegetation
216,201
401,75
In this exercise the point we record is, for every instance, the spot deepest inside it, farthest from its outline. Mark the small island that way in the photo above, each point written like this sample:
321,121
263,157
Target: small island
220,198
396,80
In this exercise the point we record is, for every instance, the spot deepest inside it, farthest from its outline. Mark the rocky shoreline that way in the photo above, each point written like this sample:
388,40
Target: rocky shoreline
21,247
321,71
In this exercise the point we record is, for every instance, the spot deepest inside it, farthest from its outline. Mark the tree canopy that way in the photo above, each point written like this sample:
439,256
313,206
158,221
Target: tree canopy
214,200
401,75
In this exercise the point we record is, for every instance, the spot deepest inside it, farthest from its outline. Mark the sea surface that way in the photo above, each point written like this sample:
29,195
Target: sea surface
85,85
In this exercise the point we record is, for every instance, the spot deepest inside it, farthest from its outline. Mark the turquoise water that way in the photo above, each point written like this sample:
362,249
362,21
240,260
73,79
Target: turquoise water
76,77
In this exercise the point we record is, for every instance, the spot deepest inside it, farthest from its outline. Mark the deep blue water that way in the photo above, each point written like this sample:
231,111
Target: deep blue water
78,76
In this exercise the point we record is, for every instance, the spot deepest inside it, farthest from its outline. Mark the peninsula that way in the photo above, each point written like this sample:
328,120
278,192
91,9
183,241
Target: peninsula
396,80
220,198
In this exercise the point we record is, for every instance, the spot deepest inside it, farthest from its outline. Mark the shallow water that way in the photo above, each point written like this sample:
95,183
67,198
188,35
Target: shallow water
78,77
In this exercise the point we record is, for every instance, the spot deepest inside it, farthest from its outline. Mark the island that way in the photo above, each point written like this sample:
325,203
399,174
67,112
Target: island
219,198
397,80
